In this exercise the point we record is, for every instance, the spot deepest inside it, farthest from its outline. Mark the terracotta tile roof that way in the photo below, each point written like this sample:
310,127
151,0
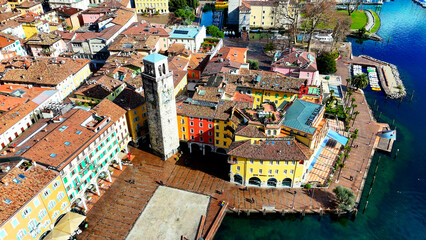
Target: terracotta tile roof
4,42
48,146
146,29
129,99
178,76
276,150
240,97
221,65
269,3
297,60
106,34
8,15
67,11
31,183
28,18
15,114
108,108
198,61
178,63
231,53
250,131
195,110
123,15
28,4
10,24
207,94
7,103
65,35
24,91
45,71
247,71
131,43
280,84
225,110
45,39
126,60
178,49
99,87
245,6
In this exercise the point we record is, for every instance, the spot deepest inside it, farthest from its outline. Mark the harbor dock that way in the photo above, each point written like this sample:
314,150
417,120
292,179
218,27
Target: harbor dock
388,75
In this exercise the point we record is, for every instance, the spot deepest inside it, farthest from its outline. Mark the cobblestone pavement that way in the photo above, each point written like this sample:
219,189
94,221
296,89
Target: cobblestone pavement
116,211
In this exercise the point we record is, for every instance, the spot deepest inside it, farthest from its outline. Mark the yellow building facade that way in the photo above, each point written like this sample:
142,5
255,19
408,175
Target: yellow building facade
262,16
137,119
38,215
181,87
183,127
223,134
152,6
282,163
261,96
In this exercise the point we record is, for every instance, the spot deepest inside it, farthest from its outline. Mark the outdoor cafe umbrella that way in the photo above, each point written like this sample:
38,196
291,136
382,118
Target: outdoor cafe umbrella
70,222
56,235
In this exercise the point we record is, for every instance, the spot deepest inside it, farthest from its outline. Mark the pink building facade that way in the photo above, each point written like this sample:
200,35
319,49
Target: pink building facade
53,50
299,65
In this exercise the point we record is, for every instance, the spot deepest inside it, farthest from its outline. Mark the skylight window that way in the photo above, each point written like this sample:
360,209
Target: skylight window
53,155
63,128
78,132
7,201
67,143
17,181
22,176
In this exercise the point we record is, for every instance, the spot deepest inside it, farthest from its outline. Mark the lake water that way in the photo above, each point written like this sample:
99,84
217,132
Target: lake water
397,205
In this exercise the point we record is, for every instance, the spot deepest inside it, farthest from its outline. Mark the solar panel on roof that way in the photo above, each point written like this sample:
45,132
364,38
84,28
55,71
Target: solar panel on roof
180,32
21,176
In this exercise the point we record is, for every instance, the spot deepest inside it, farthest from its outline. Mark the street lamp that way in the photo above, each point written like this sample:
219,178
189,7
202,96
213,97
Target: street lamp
294,196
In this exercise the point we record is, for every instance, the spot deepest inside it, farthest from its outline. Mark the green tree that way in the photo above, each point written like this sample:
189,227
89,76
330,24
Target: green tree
360,81
193,3
177,4
269,47
186,14
215,32
326,63
345,197
254,64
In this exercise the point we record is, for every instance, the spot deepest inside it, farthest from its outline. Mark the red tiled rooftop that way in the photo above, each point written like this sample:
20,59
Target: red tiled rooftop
36,178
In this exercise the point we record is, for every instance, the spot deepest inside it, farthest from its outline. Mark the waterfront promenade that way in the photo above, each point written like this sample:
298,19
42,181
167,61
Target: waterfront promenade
117,210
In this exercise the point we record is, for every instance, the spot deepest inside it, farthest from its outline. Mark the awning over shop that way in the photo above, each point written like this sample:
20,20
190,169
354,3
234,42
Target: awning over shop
70,222
57,235
334,135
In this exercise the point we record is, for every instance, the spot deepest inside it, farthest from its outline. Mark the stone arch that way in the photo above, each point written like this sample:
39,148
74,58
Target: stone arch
272,182
255,181
287,182
238,179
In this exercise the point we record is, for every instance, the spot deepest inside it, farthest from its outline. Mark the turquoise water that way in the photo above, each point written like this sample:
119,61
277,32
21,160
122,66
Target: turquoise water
397,204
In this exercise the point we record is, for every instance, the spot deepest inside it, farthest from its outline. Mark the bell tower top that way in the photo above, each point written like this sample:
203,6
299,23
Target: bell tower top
155,65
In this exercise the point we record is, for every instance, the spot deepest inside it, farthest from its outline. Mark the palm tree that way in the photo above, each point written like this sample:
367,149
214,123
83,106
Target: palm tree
341,166
348,81
360,81
356,114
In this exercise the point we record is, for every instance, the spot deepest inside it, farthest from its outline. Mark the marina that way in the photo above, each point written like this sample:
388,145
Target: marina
379,72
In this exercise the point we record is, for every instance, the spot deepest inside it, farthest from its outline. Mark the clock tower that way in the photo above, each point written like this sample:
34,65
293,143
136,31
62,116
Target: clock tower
161,105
